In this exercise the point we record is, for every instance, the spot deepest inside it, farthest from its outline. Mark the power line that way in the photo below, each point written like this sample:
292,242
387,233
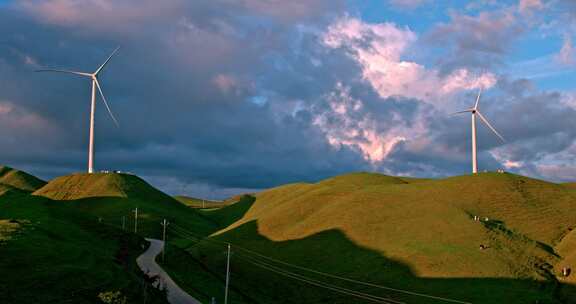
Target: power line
352,280
338,277
323,284
304,278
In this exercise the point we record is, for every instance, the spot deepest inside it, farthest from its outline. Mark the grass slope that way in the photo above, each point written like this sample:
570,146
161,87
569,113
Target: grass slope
65,243
412,234
18,179
50,253
110,197
200,203
83,185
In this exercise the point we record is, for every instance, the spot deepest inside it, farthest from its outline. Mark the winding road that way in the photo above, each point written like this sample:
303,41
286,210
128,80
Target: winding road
148,265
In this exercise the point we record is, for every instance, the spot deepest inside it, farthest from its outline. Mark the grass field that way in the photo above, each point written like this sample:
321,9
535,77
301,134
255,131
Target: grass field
199,203
412,235
417,235
50,253
65,244
12,178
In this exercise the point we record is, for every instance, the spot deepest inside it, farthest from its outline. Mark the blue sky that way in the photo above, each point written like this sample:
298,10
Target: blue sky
218,97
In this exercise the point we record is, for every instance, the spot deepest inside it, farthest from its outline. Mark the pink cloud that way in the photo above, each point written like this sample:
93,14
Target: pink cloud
14,117
361,132
226,83
107,15
379,49
526,6
566,55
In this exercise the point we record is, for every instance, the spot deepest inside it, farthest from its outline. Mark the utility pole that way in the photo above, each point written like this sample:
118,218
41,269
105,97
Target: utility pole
164,224
123,222
135,220
227,276
203,204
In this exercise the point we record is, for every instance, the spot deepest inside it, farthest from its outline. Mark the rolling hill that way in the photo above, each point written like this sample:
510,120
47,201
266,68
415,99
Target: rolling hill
410,234
485,238
84,185
10,177
200,203
112,198
55,253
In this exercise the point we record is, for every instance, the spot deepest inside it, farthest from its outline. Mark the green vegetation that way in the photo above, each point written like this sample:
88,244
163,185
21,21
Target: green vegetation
110,197
11,178
64,243
417,235
193,202
227,215
84,185
485,238
112,297
54,254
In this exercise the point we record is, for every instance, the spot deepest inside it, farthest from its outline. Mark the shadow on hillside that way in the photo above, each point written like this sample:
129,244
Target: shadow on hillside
228,215
332,252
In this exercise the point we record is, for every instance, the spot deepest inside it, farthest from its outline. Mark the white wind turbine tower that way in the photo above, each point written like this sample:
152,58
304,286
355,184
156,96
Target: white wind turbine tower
475,111
95,85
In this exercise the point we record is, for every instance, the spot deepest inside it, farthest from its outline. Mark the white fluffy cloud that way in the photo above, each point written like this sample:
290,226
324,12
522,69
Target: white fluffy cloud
379,50
362,132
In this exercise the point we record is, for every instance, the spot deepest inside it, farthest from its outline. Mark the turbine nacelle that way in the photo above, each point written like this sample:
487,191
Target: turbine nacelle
476,111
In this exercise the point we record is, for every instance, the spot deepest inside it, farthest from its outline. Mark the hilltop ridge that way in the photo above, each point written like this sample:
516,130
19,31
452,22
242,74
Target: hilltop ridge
86,185
427,234
15,179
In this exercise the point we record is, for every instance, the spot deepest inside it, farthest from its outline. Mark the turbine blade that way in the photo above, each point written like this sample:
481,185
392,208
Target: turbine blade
105,62
106,103
65,71
460,112
478,98
489,125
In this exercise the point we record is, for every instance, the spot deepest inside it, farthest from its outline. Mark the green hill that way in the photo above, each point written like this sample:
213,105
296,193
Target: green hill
113,197
18,179
51,253
84,185
200,203
72,238
6,188
417,235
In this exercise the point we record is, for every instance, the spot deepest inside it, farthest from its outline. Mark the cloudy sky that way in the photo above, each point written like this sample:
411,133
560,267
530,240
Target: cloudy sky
220,96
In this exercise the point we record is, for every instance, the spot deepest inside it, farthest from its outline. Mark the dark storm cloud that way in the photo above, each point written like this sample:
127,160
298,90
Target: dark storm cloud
242,95
181,87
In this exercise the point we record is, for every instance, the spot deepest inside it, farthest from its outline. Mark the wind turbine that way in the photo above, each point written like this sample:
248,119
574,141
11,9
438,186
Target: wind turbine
475,111
95,85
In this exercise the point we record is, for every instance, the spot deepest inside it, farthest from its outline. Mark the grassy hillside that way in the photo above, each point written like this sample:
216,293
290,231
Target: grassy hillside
112,198
200,203
417,235
49,253
228,215
18,179
84,185
65,242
